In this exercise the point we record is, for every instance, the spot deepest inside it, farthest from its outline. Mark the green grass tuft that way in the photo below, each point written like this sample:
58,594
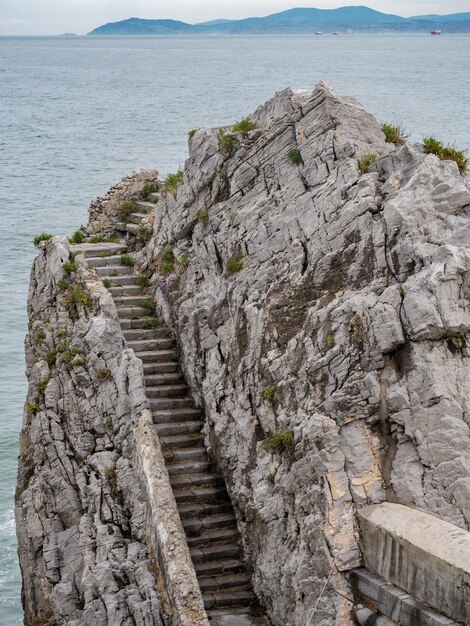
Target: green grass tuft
226,143
234,264
126,209
69,266
113,238
329,341
192,132
269,394
280,442
394,134
80,295
366,161
144,232
184,260
294,156
203,216
77,237
167,260
103,374
32,408
172,182
147,190
244,126
446,153
107,283
142,281
150,323
43,237
127,260
148,305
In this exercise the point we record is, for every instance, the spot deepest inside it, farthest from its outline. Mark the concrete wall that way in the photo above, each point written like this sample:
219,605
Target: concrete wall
419,553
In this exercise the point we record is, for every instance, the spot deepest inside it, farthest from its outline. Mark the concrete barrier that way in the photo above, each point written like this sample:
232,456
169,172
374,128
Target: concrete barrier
419,553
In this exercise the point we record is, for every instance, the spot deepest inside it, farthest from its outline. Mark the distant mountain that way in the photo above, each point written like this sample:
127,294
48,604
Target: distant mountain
299,20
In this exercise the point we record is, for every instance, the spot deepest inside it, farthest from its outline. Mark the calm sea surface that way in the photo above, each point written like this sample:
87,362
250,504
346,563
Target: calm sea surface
76,115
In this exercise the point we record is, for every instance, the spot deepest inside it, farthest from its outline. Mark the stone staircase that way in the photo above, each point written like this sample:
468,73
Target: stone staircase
205,509
131,226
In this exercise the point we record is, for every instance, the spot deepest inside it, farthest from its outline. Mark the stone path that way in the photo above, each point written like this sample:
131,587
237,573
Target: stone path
203,503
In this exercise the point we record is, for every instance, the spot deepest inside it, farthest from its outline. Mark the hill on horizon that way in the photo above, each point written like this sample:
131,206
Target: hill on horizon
296,20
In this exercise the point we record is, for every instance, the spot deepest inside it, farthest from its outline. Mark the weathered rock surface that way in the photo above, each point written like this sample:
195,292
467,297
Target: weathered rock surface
306,298
352,302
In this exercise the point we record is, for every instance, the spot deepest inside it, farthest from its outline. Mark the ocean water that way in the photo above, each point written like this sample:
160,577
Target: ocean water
79,114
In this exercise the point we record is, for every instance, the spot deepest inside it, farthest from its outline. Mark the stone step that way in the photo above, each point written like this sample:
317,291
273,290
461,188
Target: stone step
160,368
126,290
213,536
156,356
151,345
166,391
215,552
155,196
181,441
128,227
173,455
131,300
179,428
221,599
214,568
131,312
137,334
174,416
128,280
208,512
147,207
112,271
111,261
238,616
188,481
155,380
190,468
94,249
133,323
201,493
240,582
194,526
161,404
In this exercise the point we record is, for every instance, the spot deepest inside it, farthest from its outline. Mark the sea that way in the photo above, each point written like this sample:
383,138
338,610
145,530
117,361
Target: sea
78,114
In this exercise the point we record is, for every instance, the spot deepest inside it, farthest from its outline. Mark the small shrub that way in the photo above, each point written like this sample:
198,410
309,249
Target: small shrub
294,156
269,394
329,341
148,305
113,238
107,282
32,408
203,216
62,284
280,442
167,260
144,232
234,264
103,374
394,134
226,142
79,360
80,295
172,182
39,337
446,153
96,239
184,260
111,477
192,132
126,209
43,237
51,357
127,260
70,266
142,281
244,126
150,323
366,161
77,237
147,190
43,384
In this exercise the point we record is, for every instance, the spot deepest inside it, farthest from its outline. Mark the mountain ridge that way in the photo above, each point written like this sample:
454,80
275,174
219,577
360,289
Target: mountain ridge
295,20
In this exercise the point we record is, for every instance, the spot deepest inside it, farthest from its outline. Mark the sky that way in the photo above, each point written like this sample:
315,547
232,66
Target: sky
53,17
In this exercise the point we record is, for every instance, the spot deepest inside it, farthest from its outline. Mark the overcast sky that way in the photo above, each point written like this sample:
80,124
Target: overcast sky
52,17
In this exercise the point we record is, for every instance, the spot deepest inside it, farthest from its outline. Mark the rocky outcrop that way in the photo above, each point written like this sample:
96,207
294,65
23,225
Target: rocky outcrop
322,318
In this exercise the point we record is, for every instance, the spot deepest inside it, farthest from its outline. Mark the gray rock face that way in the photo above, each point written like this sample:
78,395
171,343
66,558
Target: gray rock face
81,513
327,303
323,321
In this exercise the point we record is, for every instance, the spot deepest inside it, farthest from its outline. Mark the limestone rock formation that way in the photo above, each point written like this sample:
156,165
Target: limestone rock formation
322,318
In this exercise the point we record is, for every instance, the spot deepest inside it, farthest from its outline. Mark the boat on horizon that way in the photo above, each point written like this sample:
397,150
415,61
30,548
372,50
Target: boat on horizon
436,32
335,33
319,33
